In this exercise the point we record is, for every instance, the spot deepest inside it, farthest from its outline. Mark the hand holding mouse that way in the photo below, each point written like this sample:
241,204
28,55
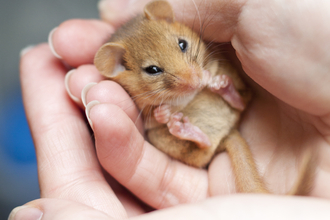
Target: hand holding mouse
294,72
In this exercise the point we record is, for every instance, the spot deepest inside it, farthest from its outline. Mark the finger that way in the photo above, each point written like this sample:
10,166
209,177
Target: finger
221,177
77,41
246,207
56,209
215,19
133,206
77,79
148,173
67,164
264,50
256,207
111,92
117,12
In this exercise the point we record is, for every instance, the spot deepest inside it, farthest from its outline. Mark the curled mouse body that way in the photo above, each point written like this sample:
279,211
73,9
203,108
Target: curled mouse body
191,103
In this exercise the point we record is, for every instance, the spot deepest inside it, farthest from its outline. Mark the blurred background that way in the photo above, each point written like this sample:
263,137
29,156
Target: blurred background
24,23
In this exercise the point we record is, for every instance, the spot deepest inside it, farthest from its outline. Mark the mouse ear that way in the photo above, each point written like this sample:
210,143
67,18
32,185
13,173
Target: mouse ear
108,59
159,10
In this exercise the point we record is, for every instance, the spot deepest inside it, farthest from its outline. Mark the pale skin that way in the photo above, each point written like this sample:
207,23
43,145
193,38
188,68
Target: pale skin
283,47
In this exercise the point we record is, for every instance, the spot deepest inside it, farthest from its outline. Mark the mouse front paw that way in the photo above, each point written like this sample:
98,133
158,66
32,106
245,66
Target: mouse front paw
162,114
224,86
181,128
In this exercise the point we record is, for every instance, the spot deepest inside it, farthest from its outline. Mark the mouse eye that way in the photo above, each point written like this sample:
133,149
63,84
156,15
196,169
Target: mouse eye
153,70
183,45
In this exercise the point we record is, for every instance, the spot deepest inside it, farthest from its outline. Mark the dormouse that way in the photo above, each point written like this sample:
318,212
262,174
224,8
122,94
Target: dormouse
190,101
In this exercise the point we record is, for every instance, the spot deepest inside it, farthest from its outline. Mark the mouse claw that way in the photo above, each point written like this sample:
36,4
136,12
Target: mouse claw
187,131
162,114
206,78
224,86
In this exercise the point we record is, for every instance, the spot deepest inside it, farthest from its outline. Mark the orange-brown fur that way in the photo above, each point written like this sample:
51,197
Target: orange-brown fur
151,39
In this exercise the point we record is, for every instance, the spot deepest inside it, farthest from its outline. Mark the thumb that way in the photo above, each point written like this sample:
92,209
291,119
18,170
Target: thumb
116,12
247,206
56,209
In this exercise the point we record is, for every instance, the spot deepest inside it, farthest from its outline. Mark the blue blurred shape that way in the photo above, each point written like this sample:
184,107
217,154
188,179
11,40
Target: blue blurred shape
15,135
18,167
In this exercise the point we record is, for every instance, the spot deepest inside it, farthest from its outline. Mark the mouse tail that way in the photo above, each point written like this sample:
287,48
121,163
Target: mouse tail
246,173
306,175
247,178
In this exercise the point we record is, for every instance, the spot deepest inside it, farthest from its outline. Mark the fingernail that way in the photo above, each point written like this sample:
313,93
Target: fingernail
88,109
25,50
111,10
66,82
50,43
85,91
105,7
102,4
25,213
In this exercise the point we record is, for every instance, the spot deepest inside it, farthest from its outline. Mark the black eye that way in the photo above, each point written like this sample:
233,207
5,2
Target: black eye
153,70
183,45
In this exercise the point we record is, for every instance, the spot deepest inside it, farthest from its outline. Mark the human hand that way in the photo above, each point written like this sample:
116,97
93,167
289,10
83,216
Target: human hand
248,206
155,178
269,38
281,125
67,165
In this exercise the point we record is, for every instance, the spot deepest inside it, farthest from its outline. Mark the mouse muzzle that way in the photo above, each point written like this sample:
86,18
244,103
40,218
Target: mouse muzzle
191,80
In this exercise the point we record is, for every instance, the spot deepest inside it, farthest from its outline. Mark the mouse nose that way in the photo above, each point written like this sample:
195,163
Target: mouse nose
192,79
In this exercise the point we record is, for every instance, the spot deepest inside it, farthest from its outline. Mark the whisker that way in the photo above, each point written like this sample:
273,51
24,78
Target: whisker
142,96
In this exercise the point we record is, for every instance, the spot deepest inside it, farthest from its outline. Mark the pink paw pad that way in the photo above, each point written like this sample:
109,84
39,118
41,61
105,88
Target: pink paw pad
162,114
181,128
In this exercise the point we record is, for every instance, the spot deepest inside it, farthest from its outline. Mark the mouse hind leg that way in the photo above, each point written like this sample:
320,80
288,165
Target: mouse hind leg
246,174
185,151
180,126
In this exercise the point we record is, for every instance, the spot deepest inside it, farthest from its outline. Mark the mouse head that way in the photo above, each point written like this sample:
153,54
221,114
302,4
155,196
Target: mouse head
155,58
